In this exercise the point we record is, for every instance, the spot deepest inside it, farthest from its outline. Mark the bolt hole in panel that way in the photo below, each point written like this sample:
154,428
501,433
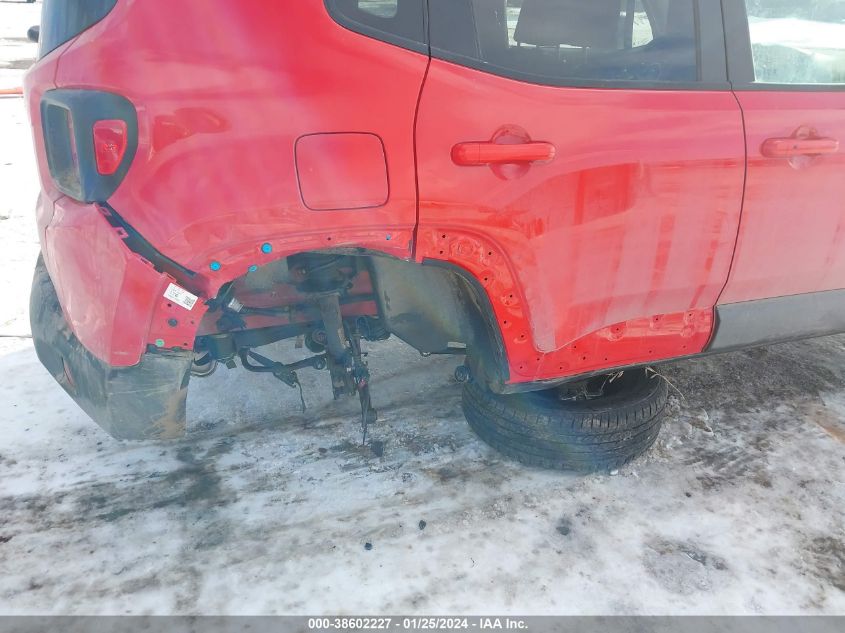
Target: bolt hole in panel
342,171
634,341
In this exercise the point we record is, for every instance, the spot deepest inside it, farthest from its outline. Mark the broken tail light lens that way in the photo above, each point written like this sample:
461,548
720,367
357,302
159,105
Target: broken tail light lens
110,141
91,138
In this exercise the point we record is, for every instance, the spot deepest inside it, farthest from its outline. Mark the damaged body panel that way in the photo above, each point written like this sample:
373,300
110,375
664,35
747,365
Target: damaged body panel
142,402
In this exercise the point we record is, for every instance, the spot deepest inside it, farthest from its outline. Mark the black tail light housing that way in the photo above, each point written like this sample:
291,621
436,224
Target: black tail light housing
69,119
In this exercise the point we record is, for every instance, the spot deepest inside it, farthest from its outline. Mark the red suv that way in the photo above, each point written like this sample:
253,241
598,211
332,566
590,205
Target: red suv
563,192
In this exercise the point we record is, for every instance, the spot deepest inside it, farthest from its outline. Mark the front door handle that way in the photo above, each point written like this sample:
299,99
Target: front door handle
792,147
491,153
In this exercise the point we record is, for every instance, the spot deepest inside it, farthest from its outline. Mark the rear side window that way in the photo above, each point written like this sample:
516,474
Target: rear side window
62,20
797,42
570,42
401,22
381,8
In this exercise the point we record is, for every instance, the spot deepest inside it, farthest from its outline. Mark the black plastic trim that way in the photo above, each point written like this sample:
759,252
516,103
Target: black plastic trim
419,45
779,320
493,333
139,245
713,63
615,84
757,87
70,149
738,42
143,402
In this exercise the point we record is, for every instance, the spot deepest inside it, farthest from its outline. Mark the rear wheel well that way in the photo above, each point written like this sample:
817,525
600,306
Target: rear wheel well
435,307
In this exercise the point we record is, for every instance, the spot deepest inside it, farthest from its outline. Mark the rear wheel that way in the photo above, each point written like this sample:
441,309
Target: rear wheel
598,424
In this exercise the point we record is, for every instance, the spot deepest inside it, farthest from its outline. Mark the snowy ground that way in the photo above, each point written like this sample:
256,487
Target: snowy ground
738,509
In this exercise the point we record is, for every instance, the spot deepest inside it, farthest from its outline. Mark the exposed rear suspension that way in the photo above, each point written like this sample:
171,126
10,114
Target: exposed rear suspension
319,317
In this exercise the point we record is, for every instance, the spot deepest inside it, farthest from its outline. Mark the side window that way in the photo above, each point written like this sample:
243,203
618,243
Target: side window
401,22
570,42
380,8
797,42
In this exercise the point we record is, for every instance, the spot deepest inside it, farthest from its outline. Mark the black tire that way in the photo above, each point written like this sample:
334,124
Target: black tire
540,429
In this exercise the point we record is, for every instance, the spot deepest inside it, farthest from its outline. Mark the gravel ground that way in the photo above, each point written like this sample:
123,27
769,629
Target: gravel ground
262,509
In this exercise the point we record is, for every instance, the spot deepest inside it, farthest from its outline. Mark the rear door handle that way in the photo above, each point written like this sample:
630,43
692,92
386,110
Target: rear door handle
490,153
791,147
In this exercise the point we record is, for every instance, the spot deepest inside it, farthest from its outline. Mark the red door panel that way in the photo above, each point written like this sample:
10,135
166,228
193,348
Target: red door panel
620,244
792,235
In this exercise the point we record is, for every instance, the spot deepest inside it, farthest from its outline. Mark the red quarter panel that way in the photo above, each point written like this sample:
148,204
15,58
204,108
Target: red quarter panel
223,91
107,294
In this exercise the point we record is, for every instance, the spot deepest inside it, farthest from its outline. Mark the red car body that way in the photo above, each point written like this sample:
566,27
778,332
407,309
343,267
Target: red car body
592,227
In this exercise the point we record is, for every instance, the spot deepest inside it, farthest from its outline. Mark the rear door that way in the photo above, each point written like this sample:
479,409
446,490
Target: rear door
787,63
584,162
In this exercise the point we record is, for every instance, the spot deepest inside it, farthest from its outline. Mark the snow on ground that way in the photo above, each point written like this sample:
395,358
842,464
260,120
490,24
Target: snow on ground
262,509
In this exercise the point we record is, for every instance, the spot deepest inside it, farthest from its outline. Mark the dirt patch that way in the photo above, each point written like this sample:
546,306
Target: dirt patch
196,483
827,421
828,556
683,567
564,526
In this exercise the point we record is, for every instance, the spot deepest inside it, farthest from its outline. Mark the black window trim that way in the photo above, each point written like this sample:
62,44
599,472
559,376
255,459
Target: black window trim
378,34
741,59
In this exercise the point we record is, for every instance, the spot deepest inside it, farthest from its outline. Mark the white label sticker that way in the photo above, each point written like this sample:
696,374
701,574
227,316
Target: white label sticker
180,296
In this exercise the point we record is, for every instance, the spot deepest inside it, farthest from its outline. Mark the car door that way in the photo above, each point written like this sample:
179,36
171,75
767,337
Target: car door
787,64
583,163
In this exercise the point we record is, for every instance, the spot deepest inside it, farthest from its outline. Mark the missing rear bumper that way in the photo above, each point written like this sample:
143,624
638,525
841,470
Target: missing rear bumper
142,402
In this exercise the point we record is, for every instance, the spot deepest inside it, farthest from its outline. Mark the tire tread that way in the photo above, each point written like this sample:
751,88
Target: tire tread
583,436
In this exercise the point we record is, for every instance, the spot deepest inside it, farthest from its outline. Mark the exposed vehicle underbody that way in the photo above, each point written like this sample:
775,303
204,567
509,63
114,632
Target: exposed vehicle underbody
328,303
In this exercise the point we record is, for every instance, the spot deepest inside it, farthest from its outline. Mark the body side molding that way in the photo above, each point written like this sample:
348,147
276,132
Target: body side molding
778,320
